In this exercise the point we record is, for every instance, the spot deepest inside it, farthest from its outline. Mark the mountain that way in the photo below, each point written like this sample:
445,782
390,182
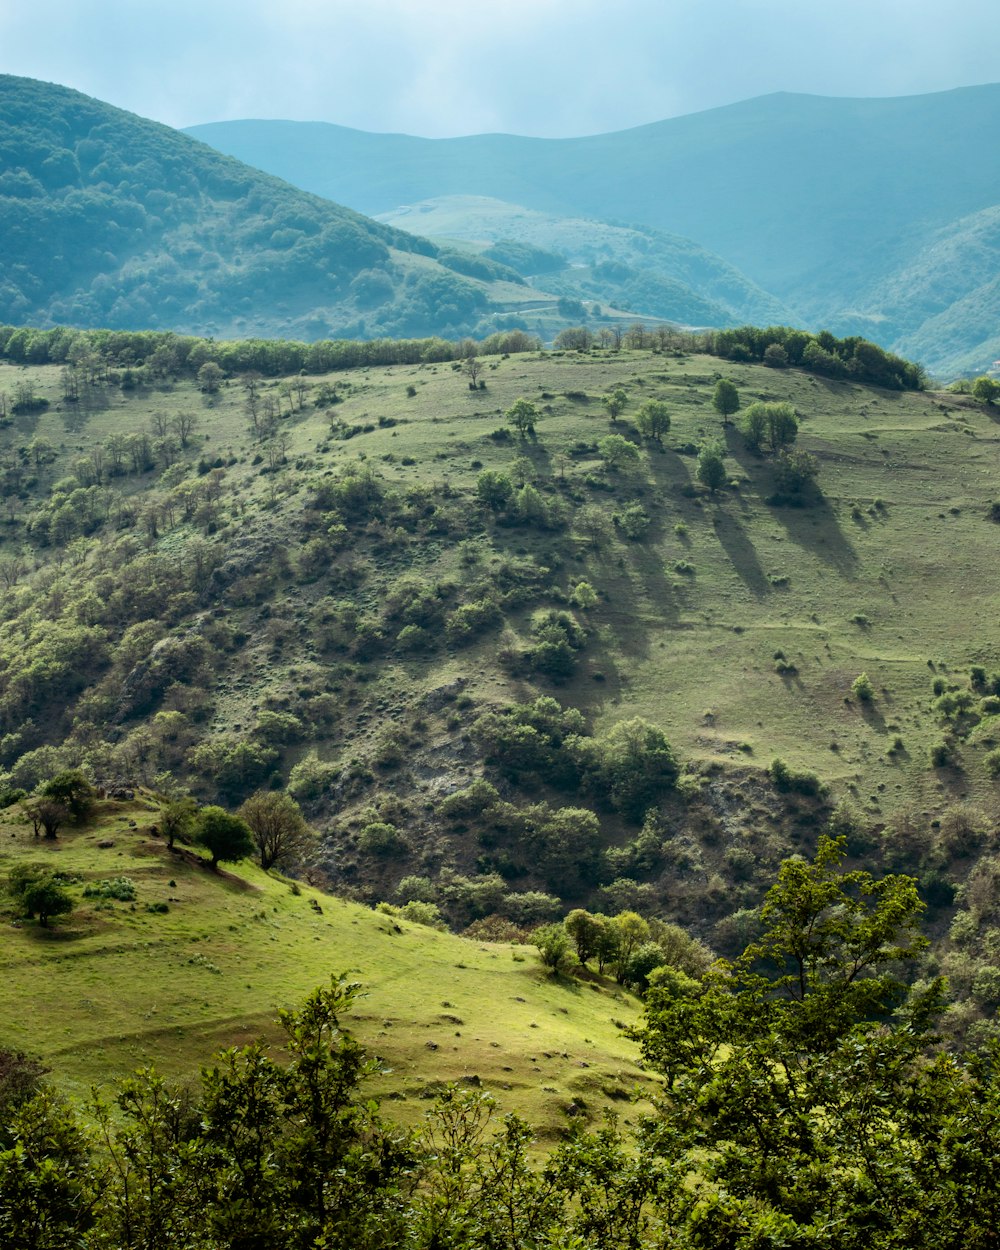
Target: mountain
819,201
108,219
654,273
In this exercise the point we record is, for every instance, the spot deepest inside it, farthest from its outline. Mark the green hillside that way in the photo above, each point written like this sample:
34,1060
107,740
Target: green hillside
107,219
649,272
364,585
821,202
198,960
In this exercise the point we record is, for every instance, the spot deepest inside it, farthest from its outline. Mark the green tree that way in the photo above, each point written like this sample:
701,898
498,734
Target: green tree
725,399
210,377
584,929
71,788
618,453
615,402
711,468
636,764
653,420
46,898
278,828
177,819
986,389
226,837
553,945
522,415
794,471
795,1066
494,489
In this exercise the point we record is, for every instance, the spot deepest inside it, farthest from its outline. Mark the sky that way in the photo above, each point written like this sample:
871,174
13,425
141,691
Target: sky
437,68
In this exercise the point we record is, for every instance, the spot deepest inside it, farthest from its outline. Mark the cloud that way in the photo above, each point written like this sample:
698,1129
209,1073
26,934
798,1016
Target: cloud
437,67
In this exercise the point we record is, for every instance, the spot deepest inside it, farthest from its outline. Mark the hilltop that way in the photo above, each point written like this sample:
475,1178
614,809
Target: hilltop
108,219
829,205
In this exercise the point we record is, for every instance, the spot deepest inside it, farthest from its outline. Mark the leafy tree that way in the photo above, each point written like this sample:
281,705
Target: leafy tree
210,377
862,688
472,368
278,828
48,815
226,837
584,929
522,415
774,422
711,468
794,471
73,790
725,399
653,420
46,898
553,945
615,402
986,389
618,453
635,764
494,489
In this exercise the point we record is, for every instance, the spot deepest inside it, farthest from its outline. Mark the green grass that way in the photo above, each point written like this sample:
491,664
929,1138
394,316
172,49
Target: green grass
108,989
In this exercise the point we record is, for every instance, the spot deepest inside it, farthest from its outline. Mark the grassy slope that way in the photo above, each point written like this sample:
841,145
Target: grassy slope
106,991
672,646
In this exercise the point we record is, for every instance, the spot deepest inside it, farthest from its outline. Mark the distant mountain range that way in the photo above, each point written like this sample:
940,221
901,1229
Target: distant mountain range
866,216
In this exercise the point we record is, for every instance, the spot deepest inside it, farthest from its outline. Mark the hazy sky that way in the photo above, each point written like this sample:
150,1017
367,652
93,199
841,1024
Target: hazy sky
449,67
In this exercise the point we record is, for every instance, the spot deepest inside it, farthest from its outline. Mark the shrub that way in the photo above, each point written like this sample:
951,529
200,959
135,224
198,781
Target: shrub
120,888
862,688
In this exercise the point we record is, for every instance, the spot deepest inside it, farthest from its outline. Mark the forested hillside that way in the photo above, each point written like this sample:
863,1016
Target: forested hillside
107,219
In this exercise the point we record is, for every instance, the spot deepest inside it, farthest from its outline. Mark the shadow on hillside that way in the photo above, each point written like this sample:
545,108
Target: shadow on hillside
741,553
815,529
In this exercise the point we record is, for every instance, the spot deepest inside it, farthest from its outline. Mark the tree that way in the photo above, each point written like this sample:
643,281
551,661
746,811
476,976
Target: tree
210,377
986,389
48,815
553,945
725,399
711,468
472,367
618,453
522,415
775,423
177,819
277,827
653,420
636,764
797,1069
584,928
494,489
73,790
46,898
794,471
226,837
615,402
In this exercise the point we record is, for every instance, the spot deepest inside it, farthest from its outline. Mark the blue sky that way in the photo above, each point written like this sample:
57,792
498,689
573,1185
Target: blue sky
449,67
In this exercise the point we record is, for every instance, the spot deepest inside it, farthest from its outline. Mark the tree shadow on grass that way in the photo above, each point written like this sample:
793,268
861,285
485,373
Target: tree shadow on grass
741,553
815,528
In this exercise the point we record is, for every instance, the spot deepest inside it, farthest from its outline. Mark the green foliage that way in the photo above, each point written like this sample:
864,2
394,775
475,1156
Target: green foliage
553,947
522,415
986,389
278,829
46,897
711,467
121,889
862,688
634,764
653,420
226,837
725,399
618,453
615,402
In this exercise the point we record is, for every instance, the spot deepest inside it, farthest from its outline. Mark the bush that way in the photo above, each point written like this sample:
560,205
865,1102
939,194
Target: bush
120,888
382,839
554,947
862,688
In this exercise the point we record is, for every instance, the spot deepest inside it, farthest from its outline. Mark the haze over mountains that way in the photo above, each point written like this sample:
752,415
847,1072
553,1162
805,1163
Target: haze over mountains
865,216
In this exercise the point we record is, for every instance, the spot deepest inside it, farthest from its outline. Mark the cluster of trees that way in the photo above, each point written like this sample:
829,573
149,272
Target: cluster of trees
805,1103
163,353
630,767
853,357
